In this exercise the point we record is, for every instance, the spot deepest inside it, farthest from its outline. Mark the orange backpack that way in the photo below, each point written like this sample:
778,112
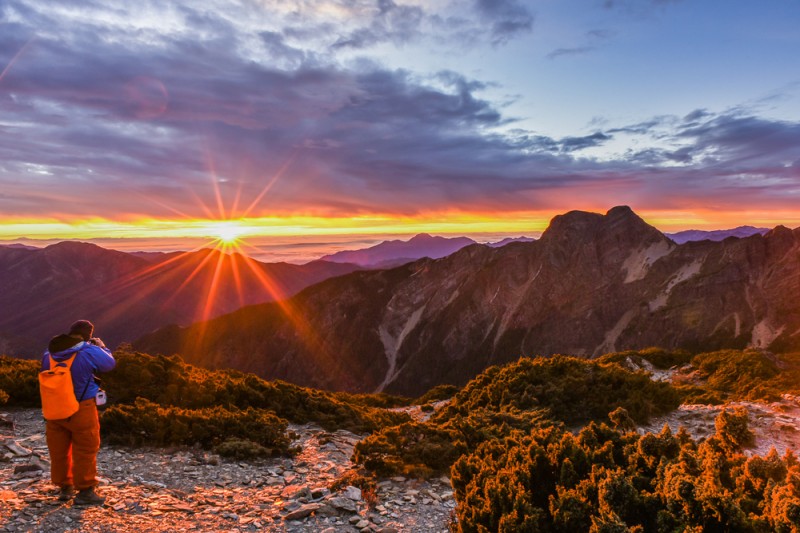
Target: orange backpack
58,394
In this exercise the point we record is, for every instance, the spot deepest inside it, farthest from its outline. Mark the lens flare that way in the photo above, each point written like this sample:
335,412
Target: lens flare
226,231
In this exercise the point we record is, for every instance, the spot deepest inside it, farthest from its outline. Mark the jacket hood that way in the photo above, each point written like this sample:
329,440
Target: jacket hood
63,346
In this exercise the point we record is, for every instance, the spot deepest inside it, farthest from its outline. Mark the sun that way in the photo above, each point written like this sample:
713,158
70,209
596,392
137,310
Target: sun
226,231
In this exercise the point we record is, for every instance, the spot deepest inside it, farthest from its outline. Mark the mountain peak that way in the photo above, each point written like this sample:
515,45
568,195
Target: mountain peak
585,220
618,232
622,211
72,245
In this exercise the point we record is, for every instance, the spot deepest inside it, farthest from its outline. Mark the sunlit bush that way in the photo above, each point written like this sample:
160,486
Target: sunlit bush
437,393
242,449
170,381
659,358
572,390
743,375
603,480
411,449
528,394
19,380
148,424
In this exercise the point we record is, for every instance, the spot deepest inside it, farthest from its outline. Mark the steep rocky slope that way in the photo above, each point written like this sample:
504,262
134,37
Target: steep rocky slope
592,284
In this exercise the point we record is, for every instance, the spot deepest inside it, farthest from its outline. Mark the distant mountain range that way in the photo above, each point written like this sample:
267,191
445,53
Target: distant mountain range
716,235
592,284
43,290
396,252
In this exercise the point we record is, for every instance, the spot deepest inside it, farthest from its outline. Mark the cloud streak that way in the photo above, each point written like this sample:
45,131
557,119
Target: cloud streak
132,113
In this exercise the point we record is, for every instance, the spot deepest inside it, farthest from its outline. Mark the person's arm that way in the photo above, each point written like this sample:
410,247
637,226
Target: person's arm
101,357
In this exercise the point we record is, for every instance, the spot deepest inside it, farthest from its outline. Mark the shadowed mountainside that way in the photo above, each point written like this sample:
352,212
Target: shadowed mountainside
592,284
43,290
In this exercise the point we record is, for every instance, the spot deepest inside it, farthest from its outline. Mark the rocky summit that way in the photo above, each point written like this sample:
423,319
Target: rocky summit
592,284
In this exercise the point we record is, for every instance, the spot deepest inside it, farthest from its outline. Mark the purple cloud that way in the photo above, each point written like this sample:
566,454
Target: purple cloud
119,118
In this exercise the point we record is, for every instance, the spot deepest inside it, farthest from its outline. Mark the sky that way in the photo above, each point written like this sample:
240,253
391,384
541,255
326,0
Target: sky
330,122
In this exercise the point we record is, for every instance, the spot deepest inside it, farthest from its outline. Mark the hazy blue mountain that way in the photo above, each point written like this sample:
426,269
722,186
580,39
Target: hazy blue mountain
396,252
509,240
716,235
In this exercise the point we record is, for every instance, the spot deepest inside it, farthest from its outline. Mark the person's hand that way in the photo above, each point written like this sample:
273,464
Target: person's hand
97,341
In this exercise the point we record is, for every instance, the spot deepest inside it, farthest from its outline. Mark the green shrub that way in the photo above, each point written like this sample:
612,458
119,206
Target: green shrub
148,424
381,399
411,449
19,379
242,449
732,430
3,397
573,390
437,393
601,480
423,449
170,381
621,420
514,399
356,478
743,375
659,358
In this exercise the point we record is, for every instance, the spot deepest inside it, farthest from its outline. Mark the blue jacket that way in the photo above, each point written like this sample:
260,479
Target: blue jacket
90,359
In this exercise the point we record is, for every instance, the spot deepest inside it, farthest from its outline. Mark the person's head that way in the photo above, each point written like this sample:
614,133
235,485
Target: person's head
82,329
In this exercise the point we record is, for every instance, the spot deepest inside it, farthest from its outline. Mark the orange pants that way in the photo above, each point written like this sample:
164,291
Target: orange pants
73,444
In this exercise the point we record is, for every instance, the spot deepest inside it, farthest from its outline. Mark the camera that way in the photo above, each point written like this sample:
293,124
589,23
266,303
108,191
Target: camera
100,399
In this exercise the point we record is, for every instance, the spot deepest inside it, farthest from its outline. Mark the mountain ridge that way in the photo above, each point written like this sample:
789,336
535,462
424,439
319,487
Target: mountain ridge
740,232
42,291
592,283
395,252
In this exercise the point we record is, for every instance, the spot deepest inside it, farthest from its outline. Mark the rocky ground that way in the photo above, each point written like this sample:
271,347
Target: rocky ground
193,490
775,425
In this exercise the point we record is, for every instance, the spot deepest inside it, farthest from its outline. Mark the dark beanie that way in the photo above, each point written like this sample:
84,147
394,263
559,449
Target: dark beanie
84,328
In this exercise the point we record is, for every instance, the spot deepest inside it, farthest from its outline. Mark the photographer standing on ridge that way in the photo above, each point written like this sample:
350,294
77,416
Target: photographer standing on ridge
74,440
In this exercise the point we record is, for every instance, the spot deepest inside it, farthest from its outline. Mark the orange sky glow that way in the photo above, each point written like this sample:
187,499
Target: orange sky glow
451,223
335,233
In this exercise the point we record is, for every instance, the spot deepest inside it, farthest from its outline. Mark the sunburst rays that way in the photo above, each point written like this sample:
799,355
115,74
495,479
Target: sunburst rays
220,268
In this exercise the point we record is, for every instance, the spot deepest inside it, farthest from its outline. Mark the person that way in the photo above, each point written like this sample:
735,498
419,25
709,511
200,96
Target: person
74,442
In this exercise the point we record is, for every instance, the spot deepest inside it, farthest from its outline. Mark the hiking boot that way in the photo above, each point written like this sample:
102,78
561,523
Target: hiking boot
88,497
66,493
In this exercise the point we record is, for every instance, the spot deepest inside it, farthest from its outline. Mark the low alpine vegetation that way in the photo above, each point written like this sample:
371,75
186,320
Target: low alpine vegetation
606,480
145,423
18,380
169,381
528,394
